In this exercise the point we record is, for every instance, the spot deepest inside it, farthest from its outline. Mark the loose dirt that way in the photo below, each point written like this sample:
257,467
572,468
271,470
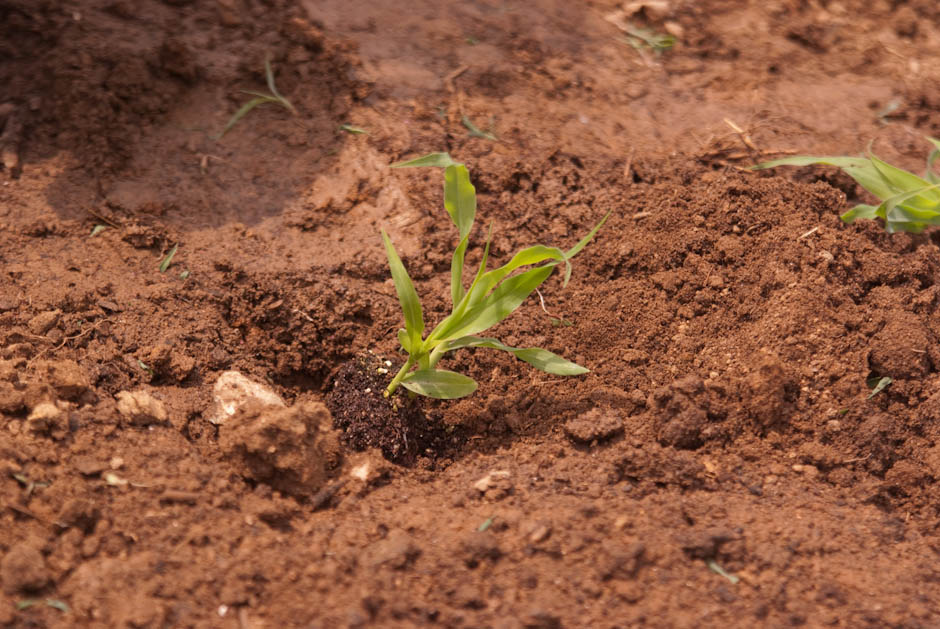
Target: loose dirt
723,464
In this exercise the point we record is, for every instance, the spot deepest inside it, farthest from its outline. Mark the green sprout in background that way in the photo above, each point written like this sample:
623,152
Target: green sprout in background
648,39
908,203
260,98
490,298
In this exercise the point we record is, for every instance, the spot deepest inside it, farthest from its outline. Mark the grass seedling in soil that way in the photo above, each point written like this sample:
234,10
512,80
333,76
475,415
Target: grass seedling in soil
168,260
49,602
491,297
348,128
260,98
908,203
476,132
877,385
648,39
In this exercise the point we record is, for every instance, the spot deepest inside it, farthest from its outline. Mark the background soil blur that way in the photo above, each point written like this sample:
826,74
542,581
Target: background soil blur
721,465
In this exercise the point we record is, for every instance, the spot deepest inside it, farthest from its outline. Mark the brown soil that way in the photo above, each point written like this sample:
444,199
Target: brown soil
729,318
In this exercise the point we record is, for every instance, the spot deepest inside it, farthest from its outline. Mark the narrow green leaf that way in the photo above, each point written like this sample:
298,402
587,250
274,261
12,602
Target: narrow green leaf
502,302
98,229
861,211
269,74
581,245
460,198
405,340
348,128
439,383
168,260
476,132
57,604
930,175
877,386
456,271
903,181
529,255
242,111
407,296
27,603
535,356
442,160
860,169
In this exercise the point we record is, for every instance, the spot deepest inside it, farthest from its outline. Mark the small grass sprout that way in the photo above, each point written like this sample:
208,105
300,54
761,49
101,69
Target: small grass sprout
260,98
491,297
908,203
647,38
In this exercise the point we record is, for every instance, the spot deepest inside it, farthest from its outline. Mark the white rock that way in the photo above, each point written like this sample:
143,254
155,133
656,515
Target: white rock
233,391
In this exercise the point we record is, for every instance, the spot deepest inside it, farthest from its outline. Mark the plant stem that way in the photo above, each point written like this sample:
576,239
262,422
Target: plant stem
399,376
436,354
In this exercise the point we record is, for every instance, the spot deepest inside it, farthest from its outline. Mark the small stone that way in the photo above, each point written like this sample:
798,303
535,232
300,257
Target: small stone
44,417
540,533
491,480
139,407
23,569
43,322
234,391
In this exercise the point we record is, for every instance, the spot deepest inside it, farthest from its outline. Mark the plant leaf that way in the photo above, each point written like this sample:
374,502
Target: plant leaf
348,128
878,386
861,211
407,295
269,75
476,132
860,169
439,383
529,255
442,160
535,356
502,302
456,271
244,109
930,175
168,260
581,245
460,198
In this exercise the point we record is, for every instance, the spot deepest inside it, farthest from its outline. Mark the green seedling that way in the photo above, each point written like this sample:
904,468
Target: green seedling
168,260
877,385
476,132
647,38
348,128
714,567
49,602
908,203
97,230
260,98
491,297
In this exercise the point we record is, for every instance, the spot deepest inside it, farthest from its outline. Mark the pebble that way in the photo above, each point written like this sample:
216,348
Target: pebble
233,391
141,408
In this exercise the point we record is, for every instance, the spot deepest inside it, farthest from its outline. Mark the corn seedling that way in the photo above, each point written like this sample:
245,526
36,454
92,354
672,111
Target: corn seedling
491,297
908,203
260,98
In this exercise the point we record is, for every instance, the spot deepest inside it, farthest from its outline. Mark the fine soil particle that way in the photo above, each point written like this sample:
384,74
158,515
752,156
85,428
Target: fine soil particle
722,464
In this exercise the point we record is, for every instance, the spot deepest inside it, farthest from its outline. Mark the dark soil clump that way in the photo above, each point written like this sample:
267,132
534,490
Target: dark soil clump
399,426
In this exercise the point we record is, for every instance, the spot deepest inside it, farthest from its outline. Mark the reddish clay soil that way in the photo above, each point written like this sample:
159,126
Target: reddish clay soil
729,318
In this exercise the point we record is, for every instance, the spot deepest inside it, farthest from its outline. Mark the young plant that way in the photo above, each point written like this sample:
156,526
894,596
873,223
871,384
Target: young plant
908,203
491,297
260,98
